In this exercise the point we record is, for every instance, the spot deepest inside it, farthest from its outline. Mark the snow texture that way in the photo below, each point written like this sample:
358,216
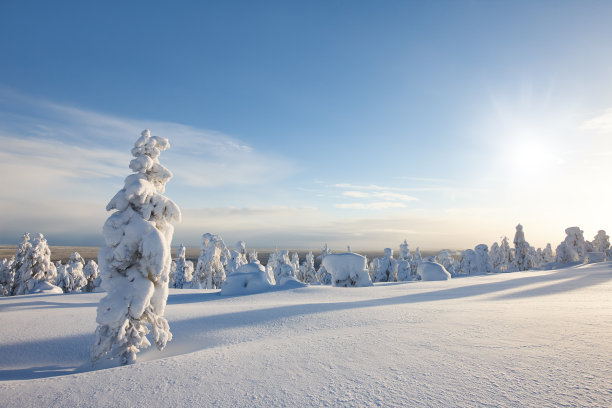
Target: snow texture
135,263
347,269
535,338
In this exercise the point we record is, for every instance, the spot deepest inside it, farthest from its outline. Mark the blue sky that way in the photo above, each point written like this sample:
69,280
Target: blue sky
298,123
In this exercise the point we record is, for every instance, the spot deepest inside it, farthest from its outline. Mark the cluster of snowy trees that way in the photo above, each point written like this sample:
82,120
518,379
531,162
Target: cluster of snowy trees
522,256
31,271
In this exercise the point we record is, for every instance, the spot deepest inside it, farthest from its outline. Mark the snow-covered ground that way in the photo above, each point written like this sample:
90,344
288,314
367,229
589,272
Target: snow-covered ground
518,339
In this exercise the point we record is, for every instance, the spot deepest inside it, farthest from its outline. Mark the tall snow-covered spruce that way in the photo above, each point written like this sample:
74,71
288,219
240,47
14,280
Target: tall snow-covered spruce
135,263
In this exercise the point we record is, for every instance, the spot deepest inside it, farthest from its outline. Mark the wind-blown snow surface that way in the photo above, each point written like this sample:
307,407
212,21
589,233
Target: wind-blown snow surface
517,339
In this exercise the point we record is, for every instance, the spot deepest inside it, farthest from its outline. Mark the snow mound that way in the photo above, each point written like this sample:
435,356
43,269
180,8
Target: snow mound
347,269
248,278
46,288
432,271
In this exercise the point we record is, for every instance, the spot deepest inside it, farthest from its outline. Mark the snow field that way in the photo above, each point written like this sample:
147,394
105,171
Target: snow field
518,339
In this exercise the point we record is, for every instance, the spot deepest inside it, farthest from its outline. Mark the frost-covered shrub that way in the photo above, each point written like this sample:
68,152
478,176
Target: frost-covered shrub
432,271
36,273
307,272
385,268
283,271
601,242
210,269
181,271
448,262
237,258
573,248
523,257
135,262
91,273
347,269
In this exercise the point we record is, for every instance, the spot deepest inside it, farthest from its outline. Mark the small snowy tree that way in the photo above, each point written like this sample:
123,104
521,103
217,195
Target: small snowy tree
468,265
573,248
181,272
482,258
295,262
523,258
307,271
91,273
36,272
7,276
284,269
448,262
386,268
210,269
135,262
601,242
547,255
237,258
74,268
416,261
322,274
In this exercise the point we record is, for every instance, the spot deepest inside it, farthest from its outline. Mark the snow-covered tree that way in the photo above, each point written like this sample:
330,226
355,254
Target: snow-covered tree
238,257
307,272
322,274
91,273
284,269
573,248
468,265
523,258
601,242
482,258
7,276
386,268
404,252
135,262
74,269
210,270
448,262
416,261
181,272
547,255
295,262
36,267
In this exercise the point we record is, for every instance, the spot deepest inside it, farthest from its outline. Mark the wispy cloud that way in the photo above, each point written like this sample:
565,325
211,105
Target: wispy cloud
601,123
61,164
198,157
